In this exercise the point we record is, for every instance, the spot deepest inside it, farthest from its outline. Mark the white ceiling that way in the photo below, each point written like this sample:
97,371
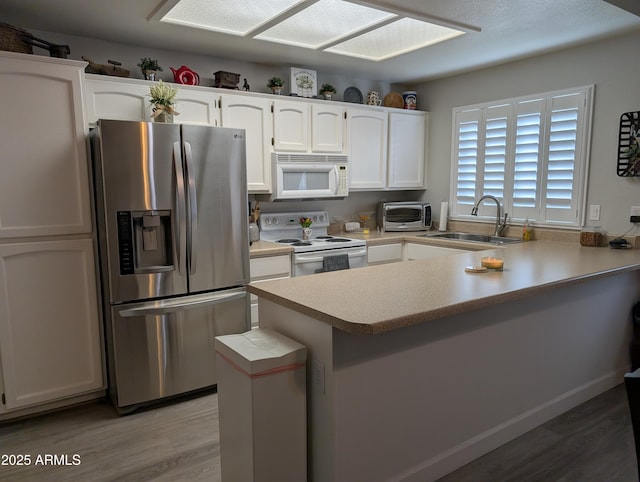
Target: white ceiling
509,30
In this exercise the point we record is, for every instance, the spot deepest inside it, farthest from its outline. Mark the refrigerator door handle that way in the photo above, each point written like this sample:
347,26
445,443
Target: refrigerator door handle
162,307
180,207
193,210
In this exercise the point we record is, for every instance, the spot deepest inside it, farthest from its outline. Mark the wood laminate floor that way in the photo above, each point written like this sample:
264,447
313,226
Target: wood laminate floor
179,442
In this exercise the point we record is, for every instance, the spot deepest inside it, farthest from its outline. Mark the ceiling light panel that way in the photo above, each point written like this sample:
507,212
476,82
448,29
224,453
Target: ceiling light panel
237,17
394,39
324,22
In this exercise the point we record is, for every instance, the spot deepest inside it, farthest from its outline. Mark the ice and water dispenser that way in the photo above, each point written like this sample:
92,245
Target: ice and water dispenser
145,242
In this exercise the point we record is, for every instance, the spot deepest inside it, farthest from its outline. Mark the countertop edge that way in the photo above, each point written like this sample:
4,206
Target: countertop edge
353,326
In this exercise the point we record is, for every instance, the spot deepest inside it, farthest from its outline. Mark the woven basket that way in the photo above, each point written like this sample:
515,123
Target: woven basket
13,39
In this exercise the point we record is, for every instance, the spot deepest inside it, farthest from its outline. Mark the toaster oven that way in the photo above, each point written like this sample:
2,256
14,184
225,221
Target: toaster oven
404,216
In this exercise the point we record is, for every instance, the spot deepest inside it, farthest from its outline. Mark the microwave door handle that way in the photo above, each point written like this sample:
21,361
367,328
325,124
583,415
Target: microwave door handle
181,228
171,306
192,252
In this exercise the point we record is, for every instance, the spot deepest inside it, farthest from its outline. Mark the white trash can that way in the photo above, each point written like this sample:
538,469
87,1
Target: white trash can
262,407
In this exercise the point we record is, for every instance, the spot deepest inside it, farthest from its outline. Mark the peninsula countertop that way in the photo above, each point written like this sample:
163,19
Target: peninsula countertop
382,298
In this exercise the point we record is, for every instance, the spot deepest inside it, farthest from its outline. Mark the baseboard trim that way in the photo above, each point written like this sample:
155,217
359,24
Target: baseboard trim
493,438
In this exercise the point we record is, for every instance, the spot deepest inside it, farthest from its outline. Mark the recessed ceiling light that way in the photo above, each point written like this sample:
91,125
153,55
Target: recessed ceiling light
336,26
324,22
394,39
236,18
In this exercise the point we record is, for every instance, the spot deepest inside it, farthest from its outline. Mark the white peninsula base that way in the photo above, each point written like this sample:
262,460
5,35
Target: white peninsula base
415,403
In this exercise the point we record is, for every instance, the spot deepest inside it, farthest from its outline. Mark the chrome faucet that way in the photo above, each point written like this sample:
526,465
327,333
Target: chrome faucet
500,225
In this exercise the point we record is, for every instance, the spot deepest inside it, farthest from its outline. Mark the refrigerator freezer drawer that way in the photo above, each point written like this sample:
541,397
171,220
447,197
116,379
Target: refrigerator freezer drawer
164,348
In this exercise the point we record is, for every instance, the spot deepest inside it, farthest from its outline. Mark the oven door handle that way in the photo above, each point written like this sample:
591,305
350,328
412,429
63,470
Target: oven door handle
314,259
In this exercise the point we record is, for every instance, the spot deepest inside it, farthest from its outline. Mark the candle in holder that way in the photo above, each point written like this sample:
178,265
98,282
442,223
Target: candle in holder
492,262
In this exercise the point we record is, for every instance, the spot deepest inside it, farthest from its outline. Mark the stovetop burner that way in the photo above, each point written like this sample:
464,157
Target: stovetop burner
285,229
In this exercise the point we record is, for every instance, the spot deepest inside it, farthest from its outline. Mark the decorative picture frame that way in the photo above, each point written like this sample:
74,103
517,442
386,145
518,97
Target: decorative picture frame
629,145
304,82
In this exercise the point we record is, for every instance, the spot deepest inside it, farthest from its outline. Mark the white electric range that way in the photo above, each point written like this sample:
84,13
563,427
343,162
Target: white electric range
309,255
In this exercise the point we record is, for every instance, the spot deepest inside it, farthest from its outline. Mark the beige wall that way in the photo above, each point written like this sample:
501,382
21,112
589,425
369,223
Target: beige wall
613,65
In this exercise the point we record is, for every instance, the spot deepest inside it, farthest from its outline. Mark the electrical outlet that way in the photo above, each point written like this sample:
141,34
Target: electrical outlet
594,212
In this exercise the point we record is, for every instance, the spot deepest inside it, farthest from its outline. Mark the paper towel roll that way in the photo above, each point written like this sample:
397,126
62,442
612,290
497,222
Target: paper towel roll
444,208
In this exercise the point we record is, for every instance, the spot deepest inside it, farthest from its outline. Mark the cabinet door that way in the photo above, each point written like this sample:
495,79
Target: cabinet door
263,269
49,326
407,140
327,128
254,116
291,126
385,253
113,99
367,139
129,100
415,251
44,181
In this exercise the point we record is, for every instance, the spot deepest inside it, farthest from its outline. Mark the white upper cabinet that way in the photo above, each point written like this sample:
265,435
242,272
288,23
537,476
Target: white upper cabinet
386,146
109,98
44,181
253,114
303,126
327,127
367,147
407,144
291,126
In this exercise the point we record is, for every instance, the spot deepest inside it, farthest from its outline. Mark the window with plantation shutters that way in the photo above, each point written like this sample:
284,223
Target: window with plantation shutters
531,153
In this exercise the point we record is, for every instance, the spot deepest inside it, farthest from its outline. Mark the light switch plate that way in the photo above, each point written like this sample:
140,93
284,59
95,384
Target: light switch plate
594,212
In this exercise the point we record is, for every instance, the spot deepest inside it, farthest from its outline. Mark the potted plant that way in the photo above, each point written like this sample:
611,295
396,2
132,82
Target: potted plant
163,100
149,68
275,84
327,90
305,224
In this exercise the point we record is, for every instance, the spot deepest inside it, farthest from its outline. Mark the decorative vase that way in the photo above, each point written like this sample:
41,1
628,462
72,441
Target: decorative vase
306,233
162,116
327,95
276,90
150,75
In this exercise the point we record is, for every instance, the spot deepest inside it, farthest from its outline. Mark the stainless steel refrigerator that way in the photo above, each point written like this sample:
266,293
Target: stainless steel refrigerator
171,210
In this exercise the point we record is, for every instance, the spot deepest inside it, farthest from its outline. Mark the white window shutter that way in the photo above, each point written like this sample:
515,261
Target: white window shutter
465,168
530,152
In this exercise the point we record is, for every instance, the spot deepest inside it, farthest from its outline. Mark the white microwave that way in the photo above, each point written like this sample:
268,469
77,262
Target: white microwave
309,176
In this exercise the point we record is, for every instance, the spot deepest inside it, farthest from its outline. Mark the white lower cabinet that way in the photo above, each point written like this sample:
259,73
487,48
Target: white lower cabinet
413,251
385,253
264,269
50,340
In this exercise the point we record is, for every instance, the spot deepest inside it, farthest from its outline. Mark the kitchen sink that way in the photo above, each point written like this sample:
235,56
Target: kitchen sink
477,238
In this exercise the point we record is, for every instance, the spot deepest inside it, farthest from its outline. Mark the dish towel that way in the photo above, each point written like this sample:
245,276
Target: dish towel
335,263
